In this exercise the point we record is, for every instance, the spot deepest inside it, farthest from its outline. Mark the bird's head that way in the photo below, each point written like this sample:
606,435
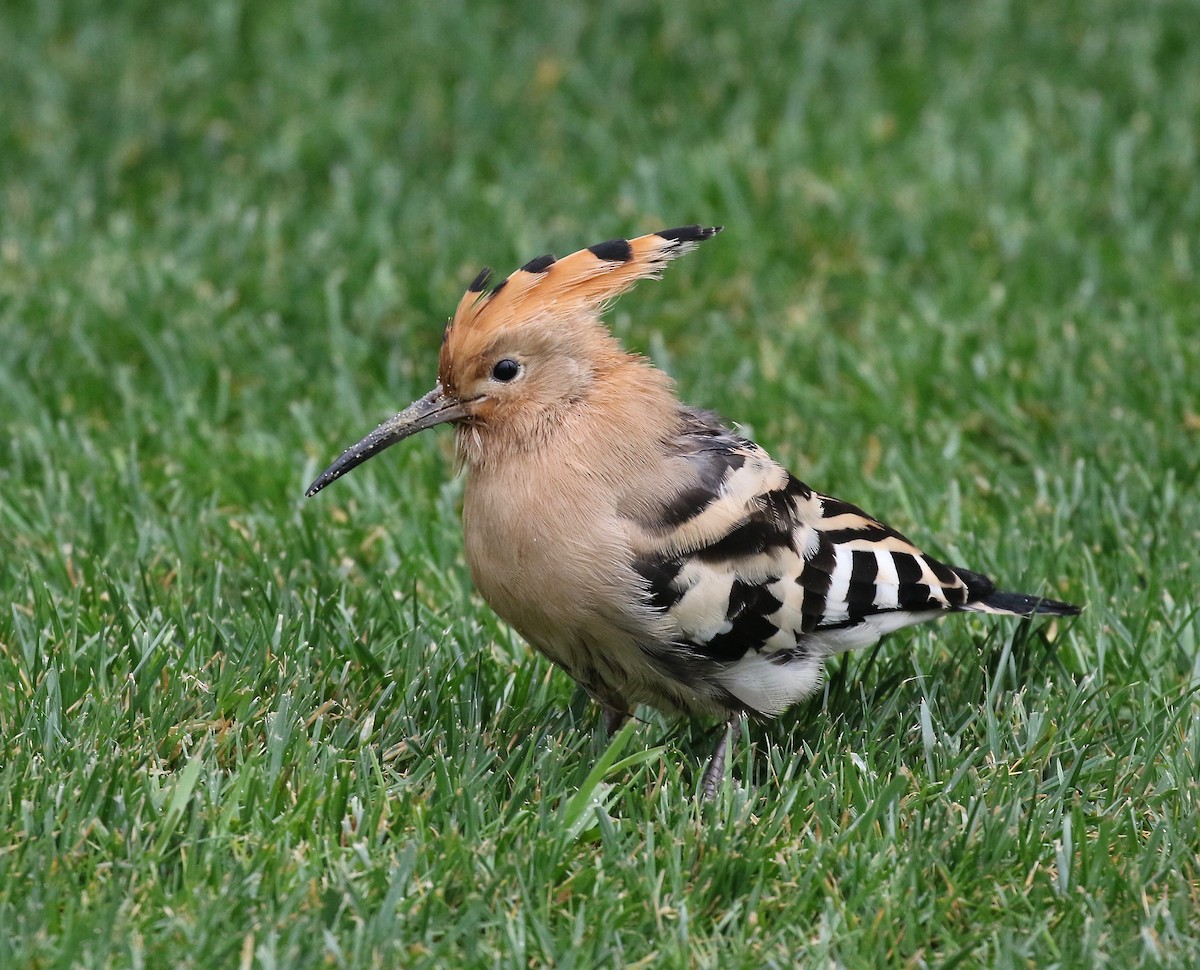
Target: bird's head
521,352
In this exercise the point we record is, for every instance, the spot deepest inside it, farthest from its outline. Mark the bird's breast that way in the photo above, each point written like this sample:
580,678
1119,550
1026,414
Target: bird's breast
548,553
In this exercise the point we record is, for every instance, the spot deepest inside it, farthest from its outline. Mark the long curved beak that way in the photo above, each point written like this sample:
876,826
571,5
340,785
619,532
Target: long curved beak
433,409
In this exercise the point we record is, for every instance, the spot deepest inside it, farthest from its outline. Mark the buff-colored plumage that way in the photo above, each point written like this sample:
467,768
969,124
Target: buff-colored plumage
653,554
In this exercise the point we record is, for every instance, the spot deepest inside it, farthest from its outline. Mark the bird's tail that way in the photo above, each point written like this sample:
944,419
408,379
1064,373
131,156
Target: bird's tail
983,597
1018,604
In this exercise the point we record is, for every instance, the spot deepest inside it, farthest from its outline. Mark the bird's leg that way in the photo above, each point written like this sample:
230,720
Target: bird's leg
614,717
715,771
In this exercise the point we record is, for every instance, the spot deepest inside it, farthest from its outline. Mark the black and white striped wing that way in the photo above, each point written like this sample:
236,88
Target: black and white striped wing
753,567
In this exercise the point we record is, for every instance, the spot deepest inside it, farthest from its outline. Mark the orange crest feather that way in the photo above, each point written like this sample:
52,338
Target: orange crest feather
584,281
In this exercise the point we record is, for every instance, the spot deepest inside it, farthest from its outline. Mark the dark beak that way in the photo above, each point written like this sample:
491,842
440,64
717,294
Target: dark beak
434,408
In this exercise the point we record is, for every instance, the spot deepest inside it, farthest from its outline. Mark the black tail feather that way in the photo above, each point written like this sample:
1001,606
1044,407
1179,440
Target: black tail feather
983,597
1022,605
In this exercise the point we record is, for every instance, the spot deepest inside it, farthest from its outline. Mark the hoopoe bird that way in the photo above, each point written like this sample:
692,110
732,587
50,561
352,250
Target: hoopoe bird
650,551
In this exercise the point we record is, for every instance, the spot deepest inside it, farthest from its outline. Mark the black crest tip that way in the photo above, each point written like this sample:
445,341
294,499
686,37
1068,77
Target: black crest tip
613,251
539,264
685,234
481,281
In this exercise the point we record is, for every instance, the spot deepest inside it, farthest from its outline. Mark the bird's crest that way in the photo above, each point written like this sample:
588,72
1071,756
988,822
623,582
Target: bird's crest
582,283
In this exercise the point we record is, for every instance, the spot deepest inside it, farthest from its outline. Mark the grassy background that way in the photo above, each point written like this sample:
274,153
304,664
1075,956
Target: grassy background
957,286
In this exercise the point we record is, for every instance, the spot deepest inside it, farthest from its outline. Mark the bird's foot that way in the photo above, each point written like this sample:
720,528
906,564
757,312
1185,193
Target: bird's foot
714,774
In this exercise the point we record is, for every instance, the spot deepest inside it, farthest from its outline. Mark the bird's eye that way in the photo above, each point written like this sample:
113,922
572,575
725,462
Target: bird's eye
505,370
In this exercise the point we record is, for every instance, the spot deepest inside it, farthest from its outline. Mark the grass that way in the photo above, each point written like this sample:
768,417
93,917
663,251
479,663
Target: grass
957,286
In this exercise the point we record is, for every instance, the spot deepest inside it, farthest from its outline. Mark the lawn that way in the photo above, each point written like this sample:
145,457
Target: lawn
957,286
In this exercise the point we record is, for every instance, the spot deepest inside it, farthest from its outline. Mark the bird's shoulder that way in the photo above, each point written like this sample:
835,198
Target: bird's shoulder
743,555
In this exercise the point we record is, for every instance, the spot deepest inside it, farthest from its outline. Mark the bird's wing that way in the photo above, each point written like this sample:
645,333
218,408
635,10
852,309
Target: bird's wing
745,557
